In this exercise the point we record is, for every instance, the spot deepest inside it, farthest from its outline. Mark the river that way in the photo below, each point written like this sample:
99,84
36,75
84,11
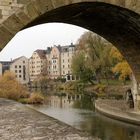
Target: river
78,111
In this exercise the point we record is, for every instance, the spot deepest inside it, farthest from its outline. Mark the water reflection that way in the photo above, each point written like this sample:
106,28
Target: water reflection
78,110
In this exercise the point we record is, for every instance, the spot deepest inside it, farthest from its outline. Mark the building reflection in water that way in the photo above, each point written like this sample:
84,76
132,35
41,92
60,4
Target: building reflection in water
62,101
77,110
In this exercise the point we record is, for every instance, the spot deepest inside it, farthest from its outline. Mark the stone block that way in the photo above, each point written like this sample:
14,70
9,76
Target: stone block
23,1
31,11
58,3
24,19
5,36
13,24
0,14
42,6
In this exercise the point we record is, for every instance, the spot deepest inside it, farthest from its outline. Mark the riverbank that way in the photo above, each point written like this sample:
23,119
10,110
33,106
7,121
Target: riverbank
19,122
117,109
116,89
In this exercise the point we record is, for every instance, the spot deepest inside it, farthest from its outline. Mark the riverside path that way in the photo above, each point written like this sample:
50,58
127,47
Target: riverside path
18,122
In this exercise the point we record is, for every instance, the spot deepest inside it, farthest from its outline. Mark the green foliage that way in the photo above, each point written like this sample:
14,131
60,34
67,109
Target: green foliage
95,57
63,80
92,58
99,88
71,85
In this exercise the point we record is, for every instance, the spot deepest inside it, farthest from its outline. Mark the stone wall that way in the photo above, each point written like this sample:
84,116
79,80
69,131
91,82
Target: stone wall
116,112
8,7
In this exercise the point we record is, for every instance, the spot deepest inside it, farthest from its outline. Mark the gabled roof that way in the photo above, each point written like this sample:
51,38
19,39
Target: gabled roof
41,53
17,59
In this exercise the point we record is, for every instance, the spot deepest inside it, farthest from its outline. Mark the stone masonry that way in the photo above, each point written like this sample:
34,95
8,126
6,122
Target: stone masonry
18,122
9,7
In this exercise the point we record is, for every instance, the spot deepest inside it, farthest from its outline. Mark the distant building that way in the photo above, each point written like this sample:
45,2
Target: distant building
59,59
67,53
20,67
4,65
53,62
37,64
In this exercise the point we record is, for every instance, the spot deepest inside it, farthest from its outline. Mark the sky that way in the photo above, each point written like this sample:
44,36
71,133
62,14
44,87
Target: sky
40,37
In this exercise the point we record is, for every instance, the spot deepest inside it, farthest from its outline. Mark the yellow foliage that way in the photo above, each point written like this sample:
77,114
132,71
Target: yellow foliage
114,53
10,88
123,68
35,98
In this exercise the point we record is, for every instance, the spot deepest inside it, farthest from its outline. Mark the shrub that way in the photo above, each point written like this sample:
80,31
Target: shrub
35,98
10,88
99,88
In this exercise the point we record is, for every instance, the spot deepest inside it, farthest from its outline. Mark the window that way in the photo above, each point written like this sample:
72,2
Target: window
24,77
15,66
15,71
63,66
19,71
23,61
63,60
19,76
68,60
68,66
19,66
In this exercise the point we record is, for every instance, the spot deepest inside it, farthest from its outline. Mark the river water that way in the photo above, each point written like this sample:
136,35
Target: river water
78,111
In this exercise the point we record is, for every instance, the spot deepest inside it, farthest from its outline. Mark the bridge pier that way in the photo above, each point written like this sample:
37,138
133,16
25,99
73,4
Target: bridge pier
136,92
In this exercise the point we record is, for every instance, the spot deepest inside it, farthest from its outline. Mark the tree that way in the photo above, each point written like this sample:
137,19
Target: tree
121,66
10,88
79,68
95,52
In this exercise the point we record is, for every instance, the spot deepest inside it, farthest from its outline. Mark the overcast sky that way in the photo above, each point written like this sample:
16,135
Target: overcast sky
40,37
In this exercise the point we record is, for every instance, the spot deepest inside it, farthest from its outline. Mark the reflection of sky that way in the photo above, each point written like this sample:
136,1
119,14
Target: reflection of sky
98,125
68,115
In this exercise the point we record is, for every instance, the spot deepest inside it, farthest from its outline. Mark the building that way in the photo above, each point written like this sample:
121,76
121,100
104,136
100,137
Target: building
67,53
59,59
37,64
4,65
54,62
20,67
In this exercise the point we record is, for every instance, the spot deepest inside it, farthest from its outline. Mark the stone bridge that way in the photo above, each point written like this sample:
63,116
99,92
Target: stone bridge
118,21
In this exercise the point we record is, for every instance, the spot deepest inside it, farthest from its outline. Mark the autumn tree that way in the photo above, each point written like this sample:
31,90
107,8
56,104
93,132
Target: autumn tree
95,50
121,66
10,88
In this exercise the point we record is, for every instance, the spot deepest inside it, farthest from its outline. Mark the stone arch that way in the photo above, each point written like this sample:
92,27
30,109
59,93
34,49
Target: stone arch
118,21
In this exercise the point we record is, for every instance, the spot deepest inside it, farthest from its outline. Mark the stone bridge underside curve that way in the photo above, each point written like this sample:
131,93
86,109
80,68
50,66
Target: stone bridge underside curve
118,21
